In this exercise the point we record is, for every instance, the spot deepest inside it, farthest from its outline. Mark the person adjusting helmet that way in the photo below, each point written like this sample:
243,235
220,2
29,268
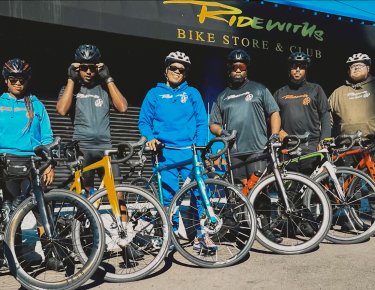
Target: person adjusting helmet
238,55
87,53
16,66
177,56
299,57
359,57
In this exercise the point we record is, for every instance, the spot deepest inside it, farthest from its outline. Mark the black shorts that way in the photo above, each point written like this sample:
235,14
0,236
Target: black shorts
92,156
244,172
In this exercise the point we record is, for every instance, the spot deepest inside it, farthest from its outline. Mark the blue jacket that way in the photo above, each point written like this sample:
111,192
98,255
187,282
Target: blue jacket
14,139
176,117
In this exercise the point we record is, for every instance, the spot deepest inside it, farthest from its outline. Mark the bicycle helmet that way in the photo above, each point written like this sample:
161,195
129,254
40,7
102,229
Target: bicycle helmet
16,66
299,57
87,53
359,57
238,55
177,56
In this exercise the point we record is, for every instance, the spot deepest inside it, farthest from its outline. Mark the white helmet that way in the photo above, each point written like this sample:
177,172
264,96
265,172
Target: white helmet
359,57
177,56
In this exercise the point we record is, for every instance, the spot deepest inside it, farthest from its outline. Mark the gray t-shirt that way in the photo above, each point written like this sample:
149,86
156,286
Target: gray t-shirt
90,117
246,110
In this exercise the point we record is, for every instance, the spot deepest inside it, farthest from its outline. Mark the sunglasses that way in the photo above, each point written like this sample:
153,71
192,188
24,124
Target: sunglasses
86,67
240,66
14,80
175,68
298,65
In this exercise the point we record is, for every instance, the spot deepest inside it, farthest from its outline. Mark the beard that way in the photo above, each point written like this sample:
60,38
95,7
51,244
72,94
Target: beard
358,78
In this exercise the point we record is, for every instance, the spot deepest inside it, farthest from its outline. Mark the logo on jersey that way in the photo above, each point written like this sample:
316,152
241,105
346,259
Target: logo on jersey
306,100
184,97
99,103
166,96
360,95
248,96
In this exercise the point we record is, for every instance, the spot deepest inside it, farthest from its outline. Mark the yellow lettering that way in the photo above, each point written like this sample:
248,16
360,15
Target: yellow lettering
244,21
198,36
245,42
210,37
225,39
235,38
181,33
255,43
265,44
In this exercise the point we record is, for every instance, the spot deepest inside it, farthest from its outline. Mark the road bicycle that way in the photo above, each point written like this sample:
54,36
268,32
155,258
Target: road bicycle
287,223
213,207
39,244
136,227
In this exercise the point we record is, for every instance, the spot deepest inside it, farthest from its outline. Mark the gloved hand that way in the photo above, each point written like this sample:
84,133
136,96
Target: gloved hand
274,138
73,73
103,72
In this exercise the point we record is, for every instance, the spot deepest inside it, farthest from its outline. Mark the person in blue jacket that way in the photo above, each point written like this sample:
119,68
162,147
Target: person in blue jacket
173,113
24,124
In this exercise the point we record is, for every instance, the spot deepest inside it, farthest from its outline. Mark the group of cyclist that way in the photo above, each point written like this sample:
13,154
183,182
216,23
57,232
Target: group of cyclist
173,113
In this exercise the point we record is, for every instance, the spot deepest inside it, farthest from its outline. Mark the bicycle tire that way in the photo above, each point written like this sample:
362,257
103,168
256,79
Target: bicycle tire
67,208
274,219
235,216
152,227
350,212
147,185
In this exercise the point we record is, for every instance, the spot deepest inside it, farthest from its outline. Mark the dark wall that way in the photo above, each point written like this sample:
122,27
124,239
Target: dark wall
137,63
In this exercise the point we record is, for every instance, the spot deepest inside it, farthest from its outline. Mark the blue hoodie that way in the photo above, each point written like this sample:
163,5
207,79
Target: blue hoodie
13,120
176,117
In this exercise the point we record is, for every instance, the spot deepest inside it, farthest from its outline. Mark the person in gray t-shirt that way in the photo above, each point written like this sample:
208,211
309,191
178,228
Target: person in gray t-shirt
87,98
245,106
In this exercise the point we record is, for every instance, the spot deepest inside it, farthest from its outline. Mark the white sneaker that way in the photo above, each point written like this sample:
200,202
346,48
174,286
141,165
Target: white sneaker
205,244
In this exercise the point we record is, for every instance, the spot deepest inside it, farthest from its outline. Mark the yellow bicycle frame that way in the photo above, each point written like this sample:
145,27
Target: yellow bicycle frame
108,182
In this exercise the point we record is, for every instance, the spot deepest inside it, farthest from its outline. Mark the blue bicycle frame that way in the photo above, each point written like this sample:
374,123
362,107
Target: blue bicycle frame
197,174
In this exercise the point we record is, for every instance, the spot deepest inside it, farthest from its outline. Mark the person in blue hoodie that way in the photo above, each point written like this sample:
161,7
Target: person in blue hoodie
173,113
24,124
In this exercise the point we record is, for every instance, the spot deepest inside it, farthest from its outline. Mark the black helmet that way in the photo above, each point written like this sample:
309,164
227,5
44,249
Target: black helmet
238,55
177,56
300,57
87,53
359,57
16,66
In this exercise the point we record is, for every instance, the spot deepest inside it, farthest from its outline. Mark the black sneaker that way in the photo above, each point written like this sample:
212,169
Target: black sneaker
305,229
132,254
272,237
346,226
54,264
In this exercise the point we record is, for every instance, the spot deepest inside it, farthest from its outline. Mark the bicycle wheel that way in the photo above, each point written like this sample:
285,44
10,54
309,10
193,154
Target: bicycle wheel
146,232
233,233
38,262
145,184
296,231
353,219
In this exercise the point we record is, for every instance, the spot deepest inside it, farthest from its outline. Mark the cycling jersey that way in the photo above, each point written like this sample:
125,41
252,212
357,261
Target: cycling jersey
174,116
16,139
90,117
353,107
304,108
246,110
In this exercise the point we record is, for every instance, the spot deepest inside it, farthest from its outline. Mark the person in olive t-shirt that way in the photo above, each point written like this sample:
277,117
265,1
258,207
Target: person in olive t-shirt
353,104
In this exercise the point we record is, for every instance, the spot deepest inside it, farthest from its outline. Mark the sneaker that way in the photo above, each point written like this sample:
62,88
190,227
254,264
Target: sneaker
271,236
205,244
305,229
130,253
346,226
54,264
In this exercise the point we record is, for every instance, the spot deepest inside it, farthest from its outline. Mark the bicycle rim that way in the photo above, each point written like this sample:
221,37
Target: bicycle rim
232,235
